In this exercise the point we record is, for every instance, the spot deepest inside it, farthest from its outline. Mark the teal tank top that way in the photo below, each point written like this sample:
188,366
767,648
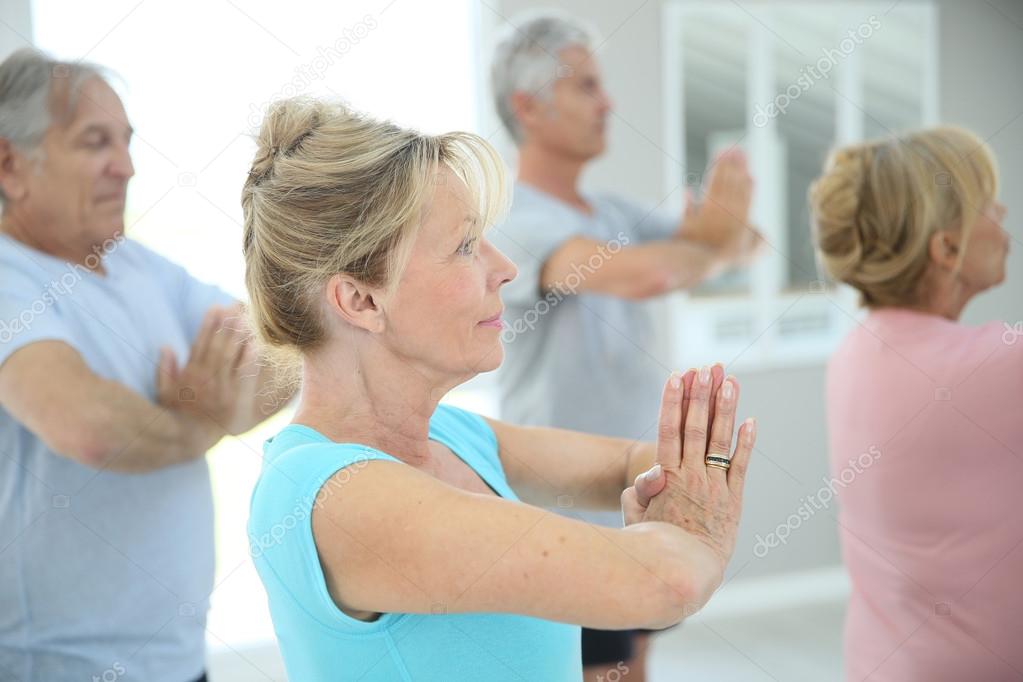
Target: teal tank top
318,641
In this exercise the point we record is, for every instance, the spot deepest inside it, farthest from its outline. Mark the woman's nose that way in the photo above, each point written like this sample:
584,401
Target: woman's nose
503,269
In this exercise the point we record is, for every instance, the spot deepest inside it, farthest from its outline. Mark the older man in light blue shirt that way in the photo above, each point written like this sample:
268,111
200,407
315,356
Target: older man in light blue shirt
118,371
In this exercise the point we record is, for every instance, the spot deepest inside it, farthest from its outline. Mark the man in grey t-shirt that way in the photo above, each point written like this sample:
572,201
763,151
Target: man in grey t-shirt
578,358
579,342
118,370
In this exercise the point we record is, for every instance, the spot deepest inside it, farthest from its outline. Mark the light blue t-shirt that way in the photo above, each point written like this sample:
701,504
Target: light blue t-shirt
320,642
103,575
588,362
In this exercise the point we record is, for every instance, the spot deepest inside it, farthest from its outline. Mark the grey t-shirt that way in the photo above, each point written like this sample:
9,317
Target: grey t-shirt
587,362
103,575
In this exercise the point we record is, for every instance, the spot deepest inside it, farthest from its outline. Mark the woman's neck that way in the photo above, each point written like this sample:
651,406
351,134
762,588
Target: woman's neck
947,297
386,405
949,311
941,303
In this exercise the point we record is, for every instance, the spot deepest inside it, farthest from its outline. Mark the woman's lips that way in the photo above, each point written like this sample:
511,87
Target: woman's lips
494,321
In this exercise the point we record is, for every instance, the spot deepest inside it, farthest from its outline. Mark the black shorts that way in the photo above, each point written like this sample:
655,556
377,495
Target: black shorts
601,647
607,647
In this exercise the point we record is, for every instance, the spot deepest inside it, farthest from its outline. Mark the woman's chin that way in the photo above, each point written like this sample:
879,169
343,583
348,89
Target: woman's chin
492,359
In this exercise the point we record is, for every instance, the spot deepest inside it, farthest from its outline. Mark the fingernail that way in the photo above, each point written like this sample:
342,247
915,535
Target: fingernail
751,430
653,473
705,375
676,379
726,390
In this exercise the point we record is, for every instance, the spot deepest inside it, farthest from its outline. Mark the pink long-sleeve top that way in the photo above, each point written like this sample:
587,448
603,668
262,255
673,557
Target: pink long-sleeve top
925,420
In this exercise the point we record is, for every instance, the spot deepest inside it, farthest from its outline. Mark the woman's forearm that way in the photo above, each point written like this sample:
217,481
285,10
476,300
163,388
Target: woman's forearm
641,456
688,569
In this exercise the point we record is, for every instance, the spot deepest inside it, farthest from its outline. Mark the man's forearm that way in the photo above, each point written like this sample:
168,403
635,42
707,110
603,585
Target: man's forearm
683,263
128,433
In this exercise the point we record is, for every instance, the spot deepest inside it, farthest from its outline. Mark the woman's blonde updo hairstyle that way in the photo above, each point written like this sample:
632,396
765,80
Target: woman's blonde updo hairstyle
333,191
877,205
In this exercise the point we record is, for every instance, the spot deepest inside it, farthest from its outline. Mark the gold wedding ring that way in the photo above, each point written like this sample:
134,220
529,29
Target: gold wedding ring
719,462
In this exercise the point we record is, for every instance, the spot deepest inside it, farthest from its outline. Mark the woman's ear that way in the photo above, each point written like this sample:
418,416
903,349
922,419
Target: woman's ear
355,302
944,249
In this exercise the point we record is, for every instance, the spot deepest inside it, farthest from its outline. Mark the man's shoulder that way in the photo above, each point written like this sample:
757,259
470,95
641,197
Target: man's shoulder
615,199
612,204
129,249
139,260
23,268
535,215
527,202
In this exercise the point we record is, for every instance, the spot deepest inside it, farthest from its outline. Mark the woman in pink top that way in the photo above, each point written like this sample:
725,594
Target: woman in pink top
924,413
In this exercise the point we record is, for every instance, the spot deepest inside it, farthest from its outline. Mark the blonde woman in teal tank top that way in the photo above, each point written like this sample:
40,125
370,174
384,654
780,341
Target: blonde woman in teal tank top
403,539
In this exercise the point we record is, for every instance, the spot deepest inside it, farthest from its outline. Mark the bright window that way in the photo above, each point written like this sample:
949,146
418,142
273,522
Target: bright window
786,84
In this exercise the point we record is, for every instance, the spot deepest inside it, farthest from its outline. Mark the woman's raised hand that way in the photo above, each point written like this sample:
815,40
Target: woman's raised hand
696,421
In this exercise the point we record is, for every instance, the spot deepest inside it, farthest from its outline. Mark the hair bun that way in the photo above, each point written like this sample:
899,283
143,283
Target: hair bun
878,204
835,201
286,125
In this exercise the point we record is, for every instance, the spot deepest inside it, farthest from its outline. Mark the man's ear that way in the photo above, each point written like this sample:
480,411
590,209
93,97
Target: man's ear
944,248
527,108
355,302
12,171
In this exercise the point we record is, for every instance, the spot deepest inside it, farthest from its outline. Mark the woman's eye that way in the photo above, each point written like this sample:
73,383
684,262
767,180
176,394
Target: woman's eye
467,247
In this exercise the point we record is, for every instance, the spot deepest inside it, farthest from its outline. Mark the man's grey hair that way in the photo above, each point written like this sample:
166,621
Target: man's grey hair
29,79
527,58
